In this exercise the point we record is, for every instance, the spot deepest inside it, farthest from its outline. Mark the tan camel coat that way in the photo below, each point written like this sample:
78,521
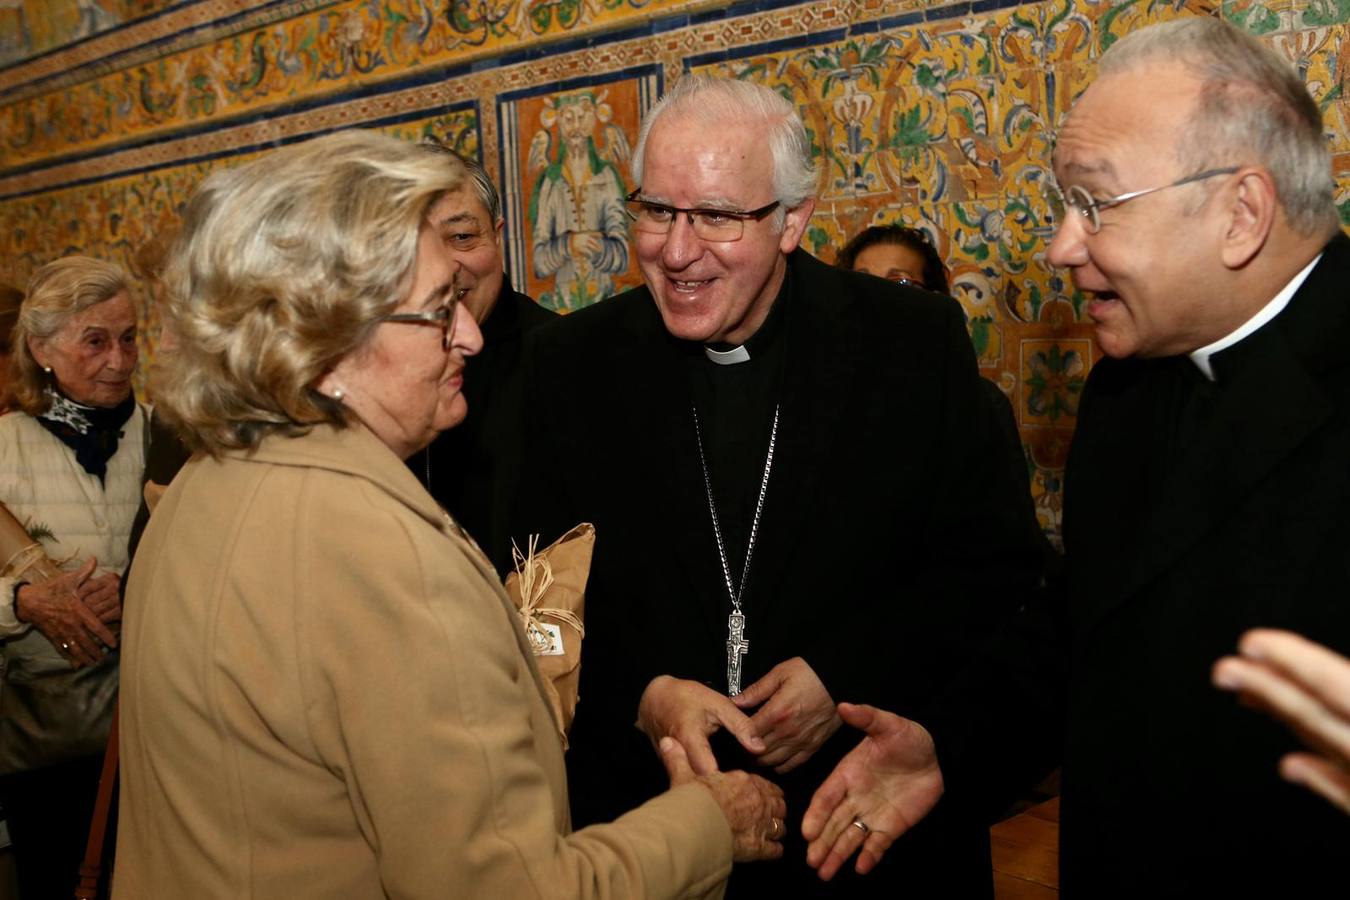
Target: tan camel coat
325,694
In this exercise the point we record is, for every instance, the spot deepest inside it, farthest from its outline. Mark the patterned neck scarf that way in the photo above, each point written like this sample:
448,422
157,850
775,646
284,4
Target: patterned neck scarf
91,431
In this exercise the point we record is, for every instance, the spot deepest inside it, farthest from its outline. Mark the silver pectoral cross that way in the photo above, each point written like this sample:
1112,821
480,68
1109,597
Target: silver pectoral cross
737,647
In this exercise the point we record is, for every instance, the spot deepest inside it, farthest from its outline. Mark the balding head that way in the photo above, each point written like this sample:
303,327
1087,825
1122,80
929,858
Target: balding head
1252,108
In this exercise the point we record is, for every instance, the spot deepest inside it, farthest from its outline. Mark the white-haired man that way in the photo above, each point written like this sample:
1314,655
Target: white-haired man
789,470
1208,492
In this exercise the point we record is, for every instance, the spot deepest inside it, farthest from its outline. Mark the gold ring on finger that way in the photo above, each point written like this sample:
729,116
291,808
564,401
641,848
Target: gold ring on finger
861,826
775,828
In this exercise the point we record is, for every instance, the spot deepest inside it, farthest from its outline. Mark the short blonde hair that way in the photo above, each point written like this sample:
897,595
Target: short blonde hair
282,268
59,290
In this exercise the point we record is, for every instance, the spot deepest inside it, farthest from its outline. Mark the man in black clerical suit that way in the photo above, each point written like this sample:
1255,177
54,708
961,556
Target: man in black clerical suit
753,408
473,470
1207,492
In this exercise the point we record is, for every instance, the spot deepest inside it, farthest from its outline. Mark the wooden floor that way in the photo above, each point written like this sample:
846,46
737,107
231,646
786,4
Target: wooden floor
1026,854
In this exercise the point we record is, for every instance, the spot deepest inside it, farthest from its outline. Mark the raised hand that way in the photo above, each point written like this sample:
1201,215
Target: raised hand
880,790
796,713
689,712
1307,687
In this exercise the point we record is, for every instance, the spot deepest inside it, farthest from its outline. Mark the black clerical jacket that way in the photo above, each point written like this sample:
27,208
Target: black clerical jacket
1186,523
893,537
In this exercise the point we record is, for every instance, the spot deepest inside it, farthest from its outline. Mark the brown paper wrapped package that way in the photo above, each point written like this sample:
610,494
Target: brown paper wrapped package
548,587
20,555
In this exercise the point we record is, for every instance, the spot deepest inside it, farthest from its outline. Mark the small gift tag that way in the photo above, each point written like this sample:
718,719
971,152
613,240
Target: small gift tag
545,639
548,591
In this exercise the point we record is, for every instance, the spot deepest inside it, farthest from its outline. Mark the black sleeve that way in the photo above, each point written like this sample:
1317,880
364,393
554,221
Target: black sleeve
980,551
999,725
165,454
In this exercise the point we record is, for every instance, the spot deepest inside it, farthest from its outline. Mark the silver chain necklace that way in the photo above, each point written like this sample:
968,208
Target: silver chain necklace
737,645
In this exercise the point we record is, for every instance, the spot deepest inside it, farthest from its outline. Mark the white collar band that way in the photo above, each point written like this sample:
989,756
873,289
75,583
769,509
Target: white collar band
727,357
1269,311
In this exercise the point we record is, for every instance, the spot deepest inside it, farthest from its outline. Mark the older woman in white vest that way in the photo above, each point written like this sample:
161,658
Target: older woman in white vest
71,456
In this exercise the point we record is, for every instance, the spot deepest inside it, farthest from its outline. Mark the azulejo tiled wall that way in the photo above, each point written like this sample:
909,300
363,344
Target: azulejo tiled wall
928,112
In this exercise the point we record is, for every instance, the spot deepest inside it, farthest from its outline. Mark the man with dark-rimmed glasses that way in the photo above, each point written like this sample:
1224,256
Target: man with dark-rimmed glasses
1207,492
786,466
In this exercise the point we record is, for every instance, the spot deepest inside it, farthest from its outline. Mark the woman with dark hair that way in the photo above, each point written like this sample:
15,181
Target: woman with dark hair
897,253
907,256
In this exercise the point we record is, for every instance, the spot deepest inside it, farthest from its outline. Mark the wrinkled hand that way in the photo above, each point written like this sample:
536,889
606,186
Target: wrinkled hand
754,808
57,609
689,712
796,717
889,782
1307,687
100,594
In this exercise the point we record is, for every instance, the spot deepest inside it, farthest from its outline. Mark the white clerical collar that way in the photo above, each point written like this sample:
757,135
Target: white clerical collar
1251,326
727,357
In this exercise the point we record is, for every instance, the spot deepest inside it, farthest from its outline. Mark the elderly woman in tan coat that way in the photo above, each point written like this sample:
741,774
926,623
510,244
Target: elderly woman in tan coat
325,692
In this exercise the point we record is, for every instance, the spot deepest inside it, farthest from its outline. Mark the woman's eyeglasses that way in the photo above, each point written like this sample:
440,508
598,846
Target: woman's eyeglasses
444,316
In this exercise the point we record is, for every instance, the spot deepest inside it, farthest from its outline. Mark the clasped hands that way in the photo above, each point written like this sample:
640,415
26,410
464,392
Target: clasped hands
73,612
891,780
793,715
878,791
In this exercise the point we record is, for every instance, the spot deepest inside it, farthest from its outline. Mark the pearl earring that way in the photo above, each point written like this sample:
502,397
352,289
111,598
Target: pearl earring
337,393
47,369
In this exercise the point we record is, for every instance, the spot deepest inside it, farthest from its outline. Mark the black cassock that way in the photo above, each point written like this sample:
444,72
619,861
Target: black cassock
893,536
1193,512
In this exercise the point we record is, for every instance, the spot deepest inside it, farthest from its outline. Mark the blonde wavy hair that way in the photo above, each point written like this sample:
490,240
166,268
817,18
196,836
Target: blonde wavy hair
59,290
283,267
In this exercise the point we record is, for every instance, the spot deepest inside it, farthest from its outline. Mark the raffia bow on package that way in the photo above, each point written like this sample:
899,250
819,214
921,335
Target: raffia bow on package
548,588
21,555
